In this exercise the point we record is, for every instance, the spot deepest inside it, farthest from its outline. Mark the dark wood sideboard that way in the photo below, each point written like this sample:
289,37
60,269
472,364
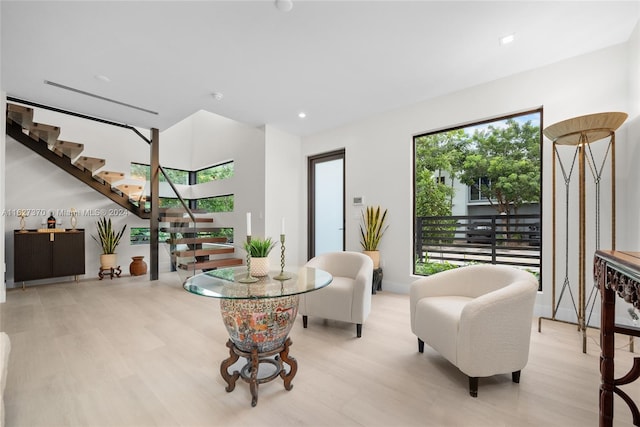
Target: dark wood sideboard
617,274
43,255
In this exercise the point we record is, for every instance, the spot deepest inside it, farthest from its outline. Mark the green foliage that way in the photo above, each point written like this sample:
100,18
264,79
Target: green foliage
429,268
108,238
509,157
215,173
259,248
372,228
437,155
505,154
217,204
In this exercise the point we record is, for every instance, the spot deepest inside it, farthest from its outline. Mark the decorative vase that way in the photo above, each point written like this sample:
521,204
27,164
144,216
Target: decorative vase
259,323
137,267
259,267
108,261
375,257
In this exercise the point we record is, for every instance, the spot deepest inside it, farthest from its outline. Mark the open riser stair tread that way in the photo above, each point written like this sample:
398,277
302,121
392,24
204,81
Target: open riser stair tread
179,211
196,240
41,131
89,163
131,190
109,176
205,251
190,230
216,263
186,219
66,148
20,114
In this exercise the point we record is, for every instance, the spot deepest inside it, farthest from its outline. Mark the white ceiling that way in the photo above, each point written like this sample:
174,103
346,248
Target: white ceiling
335,60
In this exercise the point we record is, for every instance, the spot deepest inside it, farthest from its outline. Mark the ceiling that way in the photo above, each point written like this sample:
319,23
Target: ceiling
337,61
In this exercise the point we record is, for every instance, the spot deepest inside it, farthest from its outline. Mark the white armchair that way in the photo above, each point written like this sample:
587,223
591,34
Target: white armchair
478,317
5,349
348,297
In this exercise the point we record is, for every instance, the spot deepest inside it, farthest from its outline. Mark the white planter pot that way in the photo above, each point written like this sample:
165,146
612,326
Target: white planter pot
108,261
259,267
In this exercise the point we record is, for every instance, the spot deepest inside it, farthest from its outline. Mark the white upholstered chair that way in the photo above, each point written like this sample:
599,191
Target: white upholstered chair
5,349
478,317
348,297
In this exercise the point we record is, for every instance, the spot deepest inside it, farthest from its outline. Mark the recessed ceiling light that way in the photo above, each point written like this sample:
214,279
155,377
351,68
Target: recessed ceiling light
217,96
302,114
284,5
102,78
509,38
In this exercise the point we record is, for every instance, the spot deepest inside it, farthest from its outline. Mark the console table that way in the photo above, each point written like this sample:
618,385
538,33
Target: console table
617,274
44,255
258,317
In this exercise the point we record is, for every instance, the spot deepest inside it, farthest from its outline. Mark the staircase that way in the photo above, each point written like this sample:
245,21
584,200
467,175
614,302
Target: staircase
191,245
43,139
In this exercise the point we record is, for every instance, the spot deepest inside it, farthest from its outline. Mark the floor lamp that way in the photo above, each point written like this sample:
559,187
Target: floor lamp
580,133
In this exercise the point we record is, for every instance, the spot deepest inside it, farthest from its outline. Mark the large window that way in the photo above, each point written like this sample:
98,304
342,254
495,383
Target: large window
488,207
218,172
142,172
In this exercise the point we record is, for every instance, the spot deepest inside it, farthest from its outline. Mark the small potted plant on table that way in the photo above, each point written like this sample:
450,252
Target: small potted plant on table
258,250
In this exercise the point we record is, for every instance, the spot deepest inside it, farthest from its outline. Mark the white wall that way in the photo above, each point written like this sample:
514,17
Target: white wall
282,196
216,140
588,84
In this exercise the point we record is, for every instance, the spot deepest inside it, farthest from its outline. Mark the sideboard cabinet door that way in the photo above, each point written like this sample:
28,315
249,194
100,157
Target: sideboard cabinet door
38,256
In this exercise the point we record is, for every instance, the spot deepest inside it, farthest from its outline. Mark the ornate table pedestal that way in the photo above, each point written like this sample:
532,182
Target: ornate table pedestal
249,371
258,317
617,274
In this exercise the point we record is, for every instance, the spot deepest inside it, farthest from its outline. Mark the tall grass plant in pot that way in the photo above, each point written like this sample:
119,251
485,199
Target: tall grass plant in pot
372,229
259,250
108,239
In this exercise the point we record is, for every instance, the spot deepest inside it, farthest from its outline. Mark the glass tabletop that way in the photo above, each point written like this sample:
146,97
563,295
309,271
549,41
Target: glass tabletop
224,283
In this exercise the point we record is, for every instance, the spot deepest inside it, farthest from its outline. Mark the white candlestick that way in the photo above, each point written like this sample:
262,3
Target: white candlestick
248,223
282,230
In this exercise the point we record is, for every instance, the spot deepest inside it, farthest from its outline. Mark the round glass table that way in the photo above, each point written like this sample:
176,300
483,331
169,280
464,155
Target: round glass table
258,317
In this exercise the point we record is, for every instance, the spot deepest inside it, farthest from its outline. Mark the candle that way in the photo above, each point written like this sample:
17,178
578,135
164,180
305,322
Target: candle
282,229
248,223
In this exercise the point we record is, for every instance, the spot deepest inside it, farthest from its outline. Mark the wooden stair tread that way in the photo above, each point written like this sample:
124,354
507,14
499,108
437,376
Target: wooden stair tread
190,229
196,240
172,211
214,263
66,148
45,132
20,114
205,251
186,219
130,190
89,163
110,176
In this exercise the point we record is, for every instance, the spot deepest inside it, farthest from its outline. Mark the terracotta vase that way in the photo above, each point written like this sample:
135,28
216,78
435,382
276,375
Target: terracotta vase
137,267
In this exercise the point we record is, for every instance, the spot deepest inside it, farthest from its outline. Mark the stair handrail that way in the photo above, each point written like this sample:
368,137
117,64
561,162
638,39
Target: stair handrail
80,115
175,190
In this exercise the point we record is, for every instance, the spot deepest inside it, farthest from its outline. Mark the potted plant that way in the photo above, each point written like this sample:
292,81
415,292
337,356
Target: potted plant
371,230
108,239
258,250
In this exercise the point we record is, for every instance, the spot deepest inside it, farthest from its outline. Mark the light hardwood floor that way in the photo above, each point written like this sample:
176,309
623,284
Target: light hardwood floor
130,352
